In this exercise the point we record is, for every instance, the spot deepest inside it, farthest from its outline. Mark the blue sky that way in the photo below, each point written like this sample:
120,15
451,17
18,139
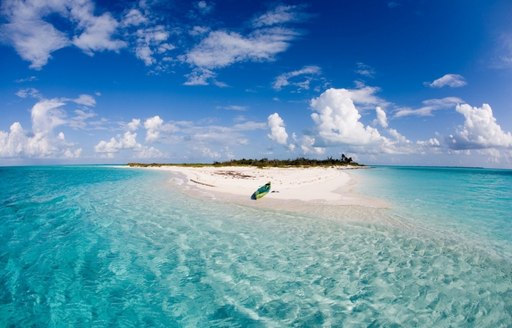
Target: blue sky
386,82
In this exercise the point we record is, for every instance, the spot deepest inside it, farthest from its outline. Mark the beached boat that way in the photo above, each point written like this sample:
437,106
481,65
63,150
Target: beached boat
262,191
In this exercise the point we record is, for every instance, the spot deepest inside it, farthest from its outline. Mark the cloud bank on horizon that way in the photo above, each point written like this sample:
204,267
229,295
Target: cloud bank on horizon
317,99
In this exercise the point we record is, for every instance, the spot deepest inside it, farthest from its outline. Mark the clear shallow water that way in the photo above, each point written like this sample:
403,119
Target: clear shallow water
95,246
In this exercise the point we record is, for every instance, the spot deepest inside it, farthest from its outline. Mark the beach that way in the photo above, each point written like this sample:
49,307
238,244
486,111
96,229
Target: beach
292,187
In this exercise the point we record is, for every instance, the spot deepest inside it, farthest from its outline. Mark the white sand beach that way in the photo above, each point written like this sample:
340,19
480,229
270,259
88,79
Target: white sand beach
291,187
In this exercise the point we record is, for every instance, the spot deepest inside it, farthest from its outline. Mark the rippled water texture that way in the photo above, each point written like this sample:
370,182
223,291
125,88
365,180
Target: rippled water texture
97,246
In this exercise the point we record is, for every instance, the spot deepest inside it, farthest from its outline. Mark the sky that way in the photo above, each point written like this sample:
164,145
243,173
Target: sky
398,82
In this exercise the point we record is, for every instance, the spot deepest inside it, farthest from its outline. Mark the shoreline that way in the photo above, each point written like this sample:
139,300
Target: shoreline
309,190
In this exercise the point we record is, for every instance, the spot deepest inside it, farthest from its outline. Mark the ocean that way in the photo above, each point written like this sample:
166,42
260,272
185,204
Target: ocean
99,246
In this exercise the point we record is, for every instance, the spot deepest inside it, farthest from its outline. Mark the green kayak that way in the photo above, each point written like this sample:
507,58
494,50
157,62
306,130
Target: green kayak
262,191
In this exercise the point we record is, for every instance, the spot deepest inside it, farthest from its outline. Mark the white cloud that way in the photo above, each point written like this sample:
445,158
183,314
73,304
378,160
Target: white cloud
398,137
153,126
279,15
204,7
429,106
200,76
277,129
27,79
151,41
149,152
337,121
28,93
128,141
80,120
42,142
236,108
432,142
504,51
85,100
209,153
480,130
73,153
134,18
198,30
450,80
97,33
134,124
46,115
364,70
284,79
32,37
308,146
35,39
115,144
222,48
382,119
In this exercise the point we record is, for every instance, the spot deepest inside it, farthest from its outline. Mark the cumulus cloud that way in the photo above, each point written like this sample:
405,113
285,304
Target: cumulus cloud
277,129
338,120
184,135
431,142
46,115
153,126
480,130
126,141
398,137
338,123
133,125
430,106
41,142
448,80
284,79
308,146
115,144
381,119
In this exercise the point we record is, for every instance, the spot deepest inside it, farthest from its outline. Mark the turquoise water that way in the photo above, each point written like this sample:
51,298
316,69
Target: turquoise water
100,246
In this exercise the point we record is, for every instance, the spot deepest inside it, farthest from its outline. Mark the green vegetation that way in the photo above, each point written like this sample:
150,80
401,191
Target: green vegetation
265,162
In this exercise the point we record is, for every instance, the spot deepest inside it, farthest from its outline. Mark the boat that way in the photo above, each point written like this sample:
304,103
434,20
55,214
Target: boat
262,191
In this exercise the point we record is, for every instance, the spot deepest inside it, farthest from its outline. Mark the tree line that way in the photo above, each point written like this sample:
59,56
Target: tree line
265,162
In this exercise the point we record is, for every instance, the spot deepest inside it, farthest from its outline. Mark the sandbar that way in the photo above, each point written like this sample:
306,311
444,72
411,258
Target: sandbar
293,188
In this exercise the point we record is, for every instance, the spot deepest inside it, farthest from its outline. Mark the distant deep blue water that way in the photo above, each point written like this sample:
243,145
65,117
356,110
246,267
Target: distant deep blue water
108,247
